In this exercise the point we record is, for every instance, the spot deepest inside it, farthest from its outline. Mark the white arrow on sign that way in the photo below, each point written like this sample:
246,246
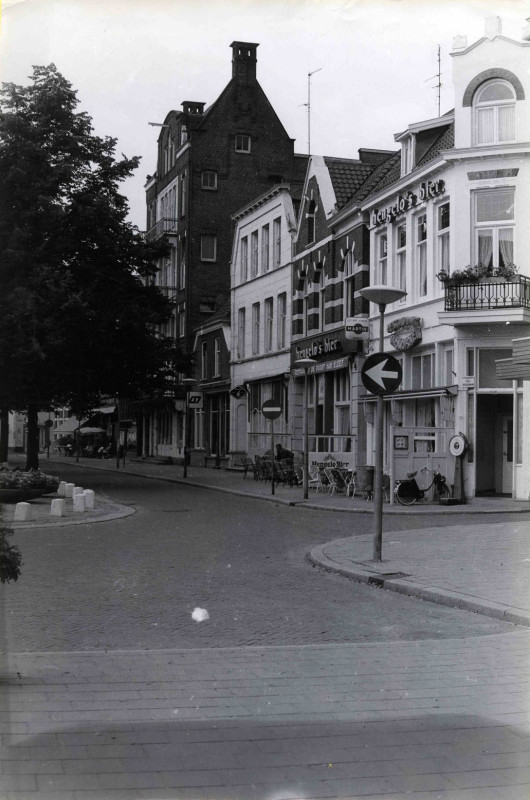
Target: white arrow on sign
378,372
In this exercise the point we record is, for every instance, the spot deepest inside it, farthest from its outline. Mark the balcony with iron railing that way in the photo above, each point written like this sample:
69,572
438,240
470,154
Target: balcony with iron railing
163,227
488,295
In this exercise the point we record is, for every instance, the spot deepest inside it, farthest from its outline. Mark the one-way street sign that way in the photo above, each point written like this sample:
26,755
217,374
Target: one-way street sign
381,373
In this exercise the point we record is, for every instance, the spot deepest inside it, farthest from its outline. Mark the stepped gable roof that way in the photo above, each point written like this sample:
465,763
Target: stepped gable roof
347,175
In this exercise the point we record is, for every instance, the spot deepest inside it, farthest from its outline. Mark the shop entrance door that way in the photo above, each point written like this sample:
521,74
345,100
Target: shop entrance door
507,454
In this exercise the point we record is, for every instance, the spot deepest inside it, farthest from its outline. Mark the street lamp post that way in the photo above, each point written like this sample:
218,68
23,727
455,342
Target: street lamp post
380,296
186,383
305,363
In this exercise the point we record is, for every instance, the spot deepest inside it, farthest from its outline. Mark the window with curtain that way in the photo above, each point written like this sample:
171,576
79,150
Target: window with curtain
443,220
401,257
382,253
421,253
494,113
494,211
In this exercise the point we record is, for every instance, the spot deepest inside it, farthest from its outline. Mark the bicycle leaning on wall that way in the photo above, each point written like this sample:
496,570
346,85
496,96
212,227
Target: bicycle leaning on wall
408,492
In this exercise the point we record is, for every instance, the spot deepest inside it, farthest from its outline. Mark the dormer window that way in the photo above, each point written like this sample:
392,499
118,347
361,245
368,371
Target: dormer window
183,134
407,155
494,113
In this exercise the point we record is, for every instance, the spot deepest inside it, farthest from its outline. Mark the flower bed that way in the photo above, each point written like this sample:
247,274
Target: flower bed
18,486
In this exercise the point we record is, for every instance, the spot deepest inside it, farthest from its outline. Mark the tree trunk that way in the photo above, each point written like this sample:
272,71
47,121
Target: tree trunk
4,435
32,442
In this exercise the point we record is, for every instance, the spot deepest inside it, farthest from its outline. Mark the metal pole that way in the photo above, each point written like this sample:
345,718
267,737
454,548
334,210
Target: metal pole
378,477
118,426
272,453
306,442
185,438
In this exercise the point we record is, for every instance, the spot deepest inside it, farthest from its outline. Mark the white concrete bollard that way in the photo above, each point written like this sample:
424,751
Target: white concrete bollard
90,499
57,507
69,490
78,490
22,512
79,502
61,491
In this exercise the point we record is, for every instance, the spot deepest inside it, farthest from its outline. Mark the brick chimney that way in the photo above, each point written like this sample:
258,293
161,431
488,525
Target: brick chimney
244,61
191,107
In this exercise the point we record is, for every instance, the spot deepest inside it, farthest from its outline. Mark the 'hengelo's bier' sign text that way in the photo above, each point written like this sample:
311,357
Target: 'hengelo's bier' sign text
407,201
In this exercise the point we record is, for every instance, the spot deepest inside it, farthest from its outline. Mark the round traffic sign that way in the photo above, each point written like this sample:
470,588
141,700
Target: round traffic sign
381,373
271,409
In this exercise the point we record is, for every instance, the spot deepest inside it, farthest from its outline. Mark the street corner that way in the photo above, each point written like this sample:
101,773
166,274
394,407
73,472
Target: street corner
47,512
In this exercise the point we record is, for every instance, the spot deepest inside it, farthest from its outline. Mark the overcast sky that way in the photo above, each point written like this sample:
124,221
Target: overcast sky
131,61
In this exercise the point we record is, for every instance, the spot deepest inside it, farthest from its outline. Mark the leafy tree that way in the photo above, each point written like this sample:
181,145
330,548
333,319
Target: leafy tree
78,314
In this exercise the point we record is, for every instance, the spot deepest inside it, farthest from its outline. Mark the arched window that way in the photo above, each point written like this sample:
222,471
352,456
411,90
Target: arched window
494,113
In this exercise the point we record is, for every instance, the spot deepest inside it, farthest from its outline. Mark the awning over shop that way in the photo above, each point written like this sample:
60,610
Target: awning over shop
69,426
516,368
415,394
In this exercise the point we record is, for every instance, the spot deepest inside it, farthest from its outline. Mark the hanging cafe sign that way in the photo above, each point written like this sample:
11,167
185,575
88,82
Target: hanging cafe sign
405,202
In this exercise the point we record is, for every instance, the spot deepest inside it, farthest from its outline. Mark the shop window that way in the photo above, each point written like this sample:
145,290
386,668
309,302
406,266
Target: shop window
209,179
242,143
265,262
198,429
487,373
208,247
243,259
494,210
494,113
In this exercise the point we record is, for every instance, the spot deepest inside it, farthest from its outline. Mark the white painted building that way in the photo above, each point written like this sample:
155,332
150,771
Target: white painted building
459,197
261,320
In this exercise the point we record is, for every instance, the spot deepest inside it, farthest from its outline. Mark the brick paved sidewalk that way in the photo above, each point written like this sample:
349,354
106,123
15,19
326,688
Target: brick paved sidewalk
483,568
430,719
234,482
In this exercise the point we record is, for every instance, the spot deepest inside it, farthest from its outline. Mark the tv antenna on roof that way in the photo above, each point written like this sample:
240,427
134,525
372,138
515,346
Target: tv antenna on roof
308,106
438,85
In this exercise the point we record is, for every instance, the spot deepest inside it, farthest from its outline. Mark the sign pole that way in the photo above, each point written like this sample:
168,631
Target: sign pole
378,477
272,453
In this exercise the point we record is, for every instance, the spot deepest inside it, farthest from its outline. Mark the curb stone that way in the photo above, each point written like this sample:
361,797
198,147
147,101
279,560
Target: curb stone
415,588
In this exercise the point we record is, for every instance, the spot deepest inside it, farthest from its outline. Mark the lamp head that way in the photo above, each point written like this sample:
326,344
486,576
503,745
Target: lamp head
382,295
